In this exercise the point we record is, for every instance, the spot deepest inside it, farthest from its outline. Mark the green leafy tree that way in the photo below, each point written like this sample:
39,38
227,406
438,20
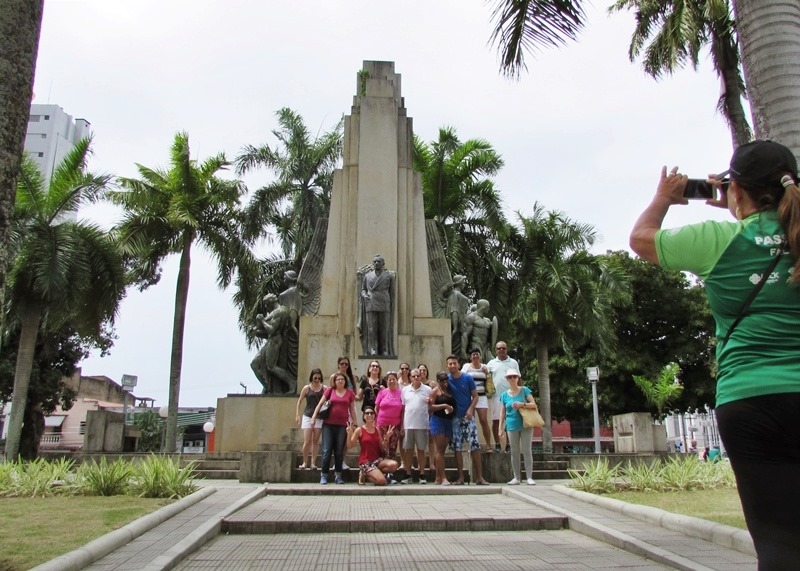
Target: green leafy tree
56,357
563,294
151,427
678,30
167,211
662,389
667,320
290,206
20,26
62,270
460,196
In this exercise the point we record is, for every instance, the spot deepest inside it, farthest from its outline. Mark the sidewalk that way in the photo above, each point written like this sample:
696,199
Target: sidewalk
290,526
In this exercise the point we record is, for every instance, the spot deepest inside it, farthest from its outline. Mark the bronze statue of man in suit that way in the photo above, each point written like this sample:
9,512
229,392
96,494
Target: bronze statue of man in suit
377,291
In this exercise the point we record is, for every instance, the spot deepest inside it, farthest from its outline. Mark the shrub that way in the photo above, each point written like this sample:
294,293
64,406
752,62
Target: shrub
641,476
104,478
597,477
162,477
35,478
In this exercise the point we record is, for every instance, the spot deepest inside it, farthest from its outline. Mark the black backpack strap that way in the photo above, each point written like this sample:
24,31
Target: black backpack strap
753,294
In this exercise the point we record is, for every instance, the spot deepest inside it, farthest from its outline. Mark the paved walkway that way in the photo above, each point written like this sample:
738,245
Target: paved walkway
290,526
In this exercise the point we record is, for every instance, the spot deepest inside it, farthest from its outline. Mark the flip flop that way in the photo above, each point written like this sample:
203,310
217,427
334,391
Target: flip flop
457,483
482,483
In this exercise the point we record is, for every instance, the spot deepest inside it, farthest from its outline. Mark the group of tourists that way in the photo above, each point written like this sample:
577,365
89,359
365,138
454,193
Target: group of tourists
407,412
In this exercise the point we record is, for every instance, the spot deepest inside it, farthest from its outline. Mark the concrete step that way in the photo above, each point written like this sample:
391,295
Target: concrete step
217,474
390,509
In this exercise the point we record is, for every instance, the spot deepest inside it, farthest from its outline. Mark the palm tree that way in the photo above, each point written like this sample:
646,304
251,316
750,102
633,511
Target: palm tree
167,212
20,25
770,47
291,205
768,42
460,197
679,29
61,270
563,294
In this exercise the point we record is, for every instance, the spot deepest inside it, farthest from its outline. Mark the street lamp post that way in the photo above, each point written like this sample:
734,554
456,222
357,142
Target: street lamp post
593,375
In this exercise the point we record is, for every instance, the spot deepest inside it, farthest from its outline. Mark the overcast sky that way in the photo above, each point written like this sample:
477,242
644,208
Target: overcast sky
584,131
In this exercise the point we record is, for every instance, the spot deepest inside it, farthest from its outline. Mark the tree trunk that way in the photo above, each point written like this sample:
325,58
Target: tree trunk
769,37
543,369
29,330
20,25
176,357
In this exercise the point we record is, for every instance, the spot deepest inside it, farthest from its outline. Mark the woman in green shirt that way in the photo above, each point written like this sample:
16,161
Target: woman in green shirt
758,345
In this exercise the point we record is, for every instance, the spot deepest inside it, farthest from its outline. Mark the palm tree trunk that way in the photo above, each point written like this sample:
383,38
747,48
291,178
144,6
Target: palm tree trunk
543,369
769,36
20,25
29,330
176,357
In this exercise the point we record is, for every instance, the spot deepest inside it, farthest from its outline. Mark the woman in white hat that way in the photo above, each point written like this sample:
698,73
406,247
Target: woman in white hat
517,397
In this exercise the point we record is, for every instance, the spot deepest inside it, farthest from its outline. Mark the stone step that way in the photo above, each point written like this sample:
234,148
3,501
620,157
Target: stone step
217,474
391,509
215,464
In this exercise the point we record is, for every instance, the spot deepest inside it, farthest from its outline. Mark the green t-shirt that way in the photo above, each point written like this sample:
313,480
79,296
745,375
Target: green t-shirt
762,355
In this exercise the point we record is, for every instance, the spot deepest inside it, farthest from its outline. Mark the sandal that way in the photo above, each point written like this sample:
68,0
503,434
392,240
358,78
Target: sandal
361,478
458,483
312,467
302,466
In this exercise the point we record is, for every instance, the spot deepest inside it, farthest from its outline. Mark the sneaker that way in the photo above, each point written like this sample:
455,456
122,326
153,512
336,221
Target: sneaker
345,466
514,482
391,480
338,479
407,481
508,448
323,480
423,481
497,448
531,482
445,483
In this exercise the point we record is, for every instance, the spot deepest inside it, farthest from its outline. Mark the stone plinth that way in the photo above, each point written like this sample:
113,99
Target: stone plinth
245,421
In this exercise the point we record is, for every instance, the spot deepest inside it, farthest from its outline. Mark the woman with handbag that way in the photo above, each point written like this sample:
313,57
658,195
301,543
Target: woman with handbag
442,405
517,397
334,426
751,270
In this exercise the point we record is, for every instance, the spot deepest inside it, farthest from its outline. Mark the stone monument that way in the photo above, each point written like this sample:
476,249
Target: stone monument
376,219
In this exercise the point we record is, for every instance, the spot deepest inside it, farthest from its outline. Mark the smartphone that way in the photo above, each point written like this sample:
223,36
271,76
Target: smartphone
698,189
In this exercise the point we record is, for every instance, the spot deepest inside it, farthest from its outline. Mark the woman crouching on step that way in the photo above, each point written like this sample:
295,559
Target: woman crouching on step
373,466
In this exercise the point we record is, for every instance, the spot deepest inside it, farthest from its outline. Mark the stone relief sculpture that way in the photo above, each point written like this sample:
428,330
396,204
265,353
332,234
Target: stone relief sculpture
376,308
275,365
481,332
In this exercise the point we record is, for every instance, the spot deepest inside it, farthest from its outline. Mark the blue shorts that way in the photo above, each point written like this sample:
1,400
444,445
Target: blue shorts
441,427
464,429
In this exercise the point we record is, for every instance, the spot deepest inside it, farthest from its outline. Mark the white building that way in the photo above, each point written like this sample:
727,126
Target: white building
52,133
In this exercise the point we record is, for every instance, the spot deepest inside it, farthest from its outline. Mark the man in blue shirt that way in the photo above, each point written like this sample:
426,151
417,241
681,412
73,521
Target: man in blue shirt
466,395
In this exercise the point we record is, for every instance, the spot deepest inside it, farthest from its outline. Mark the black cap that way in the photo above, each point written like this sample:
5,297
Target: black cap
761,164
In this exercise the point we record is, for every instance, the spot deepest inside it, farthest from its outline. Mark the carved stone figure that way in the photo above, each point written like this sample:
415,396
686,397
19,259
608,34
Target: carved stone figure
275,366
375,319
481,332
294,294
457,306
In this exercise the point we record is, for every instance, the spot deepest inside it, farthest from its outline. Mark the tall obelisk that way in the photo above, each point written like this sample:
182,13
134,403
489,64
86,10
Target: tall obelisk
376,209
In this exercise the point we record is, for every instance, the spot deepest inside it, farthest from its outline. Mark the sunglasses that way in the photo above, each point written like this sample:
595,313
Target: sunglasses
415,375
369,413
404,368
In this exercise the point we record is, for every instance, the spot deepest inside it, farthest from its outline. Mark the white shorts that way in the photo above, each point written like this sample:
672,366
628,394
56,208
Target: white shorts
495,402
306,422
483,402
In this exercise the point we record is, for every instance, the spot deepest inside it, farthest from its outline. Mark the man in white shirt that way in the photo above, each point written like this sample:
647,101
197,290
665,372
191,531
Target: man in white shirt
499,366
415,425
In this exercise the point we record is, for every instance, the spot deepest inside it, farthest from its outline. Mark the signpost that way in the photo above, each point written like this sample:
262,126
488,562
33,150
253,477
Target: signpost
593,375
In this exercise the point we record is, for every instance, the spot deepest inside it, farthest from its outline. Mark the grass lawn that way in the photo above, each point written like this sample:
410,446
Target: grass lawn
35,530
720,505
